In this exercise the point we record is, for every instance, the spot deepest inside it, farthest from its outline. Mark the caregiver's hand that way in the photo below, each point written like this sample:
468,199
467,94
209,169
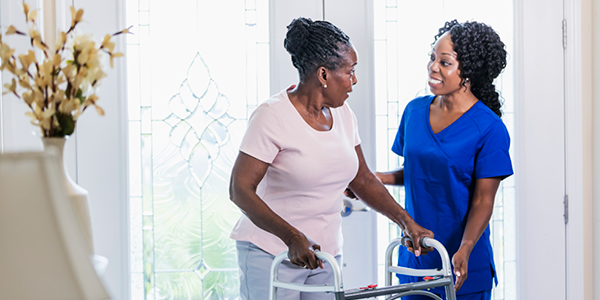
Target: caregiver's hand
301,251
415,232
460,261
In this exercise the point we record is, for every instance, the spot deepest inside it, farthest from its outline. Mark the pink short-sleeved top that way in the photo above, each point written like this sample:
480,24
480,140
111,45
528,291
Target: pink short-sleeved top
307,174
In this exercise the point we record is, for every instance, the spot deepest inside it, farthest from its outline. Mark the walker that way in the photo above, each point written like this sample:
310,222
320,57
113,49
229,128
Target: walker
437,277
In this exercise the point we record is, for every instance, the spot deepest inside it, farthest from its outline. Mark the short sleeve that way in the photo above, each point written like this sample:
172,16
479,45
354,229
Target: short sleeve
398,146
262,139
493,159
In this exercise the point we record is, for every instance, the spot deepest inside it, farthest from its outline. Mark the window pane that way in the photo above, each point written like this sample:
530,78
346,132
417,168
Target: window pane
195,69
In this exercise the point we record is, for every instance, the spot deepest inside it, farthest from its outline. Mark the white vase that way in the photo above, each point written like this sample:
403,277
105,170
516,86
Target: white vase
77,194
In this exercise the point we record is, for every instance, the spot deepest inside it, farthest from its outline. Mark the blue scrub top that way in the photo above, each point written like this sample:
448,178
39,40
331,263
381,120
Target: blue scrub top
439,178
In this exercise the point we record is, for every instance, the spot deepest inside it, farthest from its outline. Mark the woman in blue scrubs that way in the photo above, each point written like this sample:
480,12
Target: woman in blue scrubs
455,149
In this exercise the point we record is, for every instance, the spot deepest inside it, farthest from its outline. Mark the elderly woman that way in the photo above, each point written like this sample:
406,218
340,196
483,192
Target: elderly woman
300,152
455,150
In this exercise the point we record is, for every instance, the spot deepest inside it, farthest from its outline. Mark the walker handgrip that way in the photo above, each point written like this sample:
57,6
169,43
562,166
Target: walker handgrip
429,242
423,241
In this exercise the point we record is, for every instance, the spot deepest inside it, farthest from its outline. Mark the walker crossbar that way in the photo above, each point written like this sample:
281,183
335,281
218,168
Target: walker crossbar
396,289
444,277
417,273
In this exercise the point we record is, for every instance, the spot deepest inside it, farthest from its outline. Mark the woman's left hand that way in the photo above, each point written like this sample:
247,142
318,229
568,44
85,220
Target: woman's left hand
416,232
460,261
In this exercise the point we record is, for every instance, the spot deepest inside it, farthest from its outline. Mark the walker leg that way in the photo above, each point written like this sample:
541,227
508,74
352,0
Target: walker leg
273,292
339,296
450,294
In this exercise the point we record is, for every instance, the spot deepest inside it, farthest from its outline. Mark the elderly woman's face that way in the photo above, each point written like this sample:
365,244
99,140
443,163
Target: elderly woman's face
341,80
444,75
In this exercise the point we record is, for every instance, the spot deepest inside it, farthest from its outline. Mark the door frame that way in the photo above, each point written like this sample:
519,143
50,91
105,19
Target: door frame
574,152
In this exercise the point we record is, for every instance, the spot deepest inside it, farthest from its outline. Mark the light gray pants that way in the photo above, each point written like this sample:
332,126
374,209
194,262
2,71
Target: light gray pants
255,270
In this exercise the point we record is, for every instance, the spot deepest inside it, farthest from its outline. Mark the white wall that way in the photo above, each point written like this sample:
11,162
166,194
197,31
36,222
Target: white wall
102,151
595,129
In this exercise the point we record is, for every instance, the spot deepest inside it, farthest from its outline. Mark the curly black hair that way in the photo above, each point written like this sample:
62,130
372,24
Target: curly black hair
313,44
481,56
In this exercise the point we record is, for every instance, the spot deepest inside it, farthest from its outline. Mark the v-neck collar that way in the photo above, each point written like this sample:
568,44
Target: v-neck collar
437,138
442,132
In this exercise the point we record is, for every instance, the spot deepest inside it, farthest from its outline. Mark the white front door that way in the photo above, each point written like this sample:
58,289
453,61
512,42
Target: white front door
540,157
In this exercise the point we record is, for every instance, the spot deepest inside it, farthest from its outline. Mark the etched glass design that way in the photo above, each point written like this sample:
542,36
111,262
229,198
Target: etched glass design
402,44
196,70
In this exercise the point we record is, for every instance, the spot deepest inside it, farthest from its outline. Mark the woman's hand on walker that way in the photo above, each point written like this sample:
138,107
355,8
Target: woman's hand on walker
301,251
416,233
460,261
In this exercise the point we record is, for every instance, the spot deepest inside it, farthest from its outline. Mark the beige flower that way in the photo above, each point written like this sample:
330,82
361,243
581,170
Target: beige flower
46,118
31,16
5,54
27,59
36,38
24,82
38,43
69,105
123,31
99,110
34,119
10,87
57,60
59,86
76,16
62,39
34,34
107,44
13,30
114,55
28,98
25,8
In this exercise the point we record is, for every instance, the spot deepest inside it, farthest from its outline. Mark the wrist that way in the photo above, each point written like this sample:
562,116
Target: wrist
467,246
406,222
385,178
292,237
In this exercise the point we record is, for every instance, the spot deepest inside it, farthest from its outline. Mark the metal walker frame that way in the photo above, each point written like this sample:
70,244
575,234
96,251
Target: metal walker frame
442,277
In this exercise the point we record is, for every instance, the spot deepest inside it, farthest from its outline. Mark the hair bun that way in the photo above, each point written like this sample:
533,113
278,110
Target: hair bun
297,35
